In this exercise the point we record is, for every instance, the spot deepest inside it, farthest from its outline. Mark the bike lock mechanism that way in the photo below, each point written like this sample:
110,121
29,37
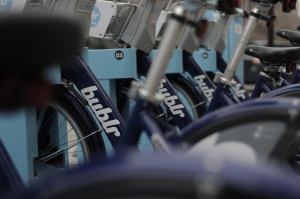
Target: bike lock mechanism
257,13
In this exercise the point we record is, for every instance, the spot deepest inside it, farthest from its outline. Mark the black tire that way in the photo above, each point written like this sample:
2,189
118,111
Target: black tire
166,178
143,186
65,105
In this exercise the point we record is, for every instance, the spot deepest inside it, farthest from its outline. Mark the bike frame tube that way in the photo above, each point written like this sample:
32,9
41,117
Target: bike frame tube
220,98
284,76
141,119
296,77
103,108
285,83
260,87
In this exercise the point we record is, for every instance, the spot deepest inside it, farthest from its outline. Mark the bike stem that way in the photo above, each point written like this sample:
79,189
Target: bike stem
227,77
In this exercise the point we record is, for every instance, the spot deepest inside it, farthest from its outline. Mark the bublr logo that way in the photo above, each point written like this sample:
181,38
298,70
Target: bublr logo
95,17
5,4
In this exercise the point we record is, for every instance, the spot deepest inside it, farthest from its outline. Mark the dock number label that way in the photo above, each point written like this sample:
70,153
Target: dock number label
119,55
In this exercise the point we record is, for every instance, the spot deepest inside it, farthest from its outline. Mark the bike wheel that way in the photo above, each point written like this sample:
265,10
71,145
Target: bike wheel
188,99
67,135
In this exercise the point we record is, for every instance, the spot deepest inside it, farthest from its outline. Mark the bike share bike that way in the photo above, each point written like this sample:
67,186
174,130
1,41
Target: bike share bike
165,138
132,176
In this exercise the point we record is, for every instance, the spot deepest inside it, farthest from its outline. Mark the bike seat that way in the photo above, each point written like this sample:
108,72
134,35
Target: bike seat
292,36
274,55
35,41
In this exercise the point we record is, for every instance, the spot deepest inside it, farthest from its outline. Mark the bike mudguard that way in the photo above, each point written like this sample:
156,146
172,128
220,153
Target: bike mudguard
261,129
287,91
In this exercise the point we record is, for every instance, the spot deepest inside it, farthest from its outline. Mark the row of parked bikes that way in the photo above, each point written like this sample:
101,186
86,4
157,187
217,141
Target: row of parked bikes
207,137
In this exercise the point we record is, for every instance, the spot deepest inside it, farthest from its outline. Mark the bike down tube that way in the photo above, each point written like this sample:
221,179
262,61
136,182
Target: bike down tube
156,132
103,108
141,119
296,77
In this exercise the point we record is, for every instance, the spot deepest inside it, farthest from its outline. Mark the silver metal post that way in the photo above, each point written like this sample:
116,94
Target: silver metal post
249,28
240,49
165,50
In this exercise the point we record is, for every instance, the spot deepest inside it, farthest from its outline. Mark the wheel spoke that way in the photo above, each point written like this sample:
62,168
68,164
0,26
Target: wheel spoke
55,154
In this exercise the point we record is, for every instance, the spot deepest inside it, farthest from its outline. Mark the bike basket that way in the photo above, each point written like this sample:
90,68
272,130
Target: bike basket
110,18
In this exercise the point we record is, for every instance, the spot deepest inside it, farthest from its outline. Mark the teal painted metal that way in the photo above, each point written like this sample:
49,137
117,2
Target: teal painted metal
207,59
113,63
110,88
175,63
53,74
19,135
